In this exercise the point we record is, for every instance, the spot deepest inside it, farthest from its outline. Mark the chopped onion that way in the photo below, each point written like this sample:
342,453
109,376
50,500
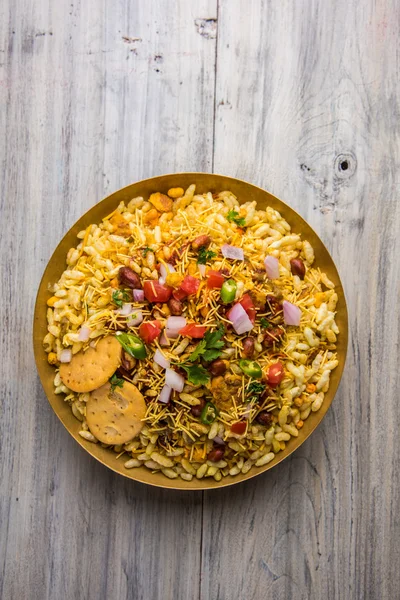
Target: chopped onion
165,269
66,355
240,319
165,394
164,341
135,318
173,326
291,313
138,295
160,359
219,440
125,310
161,280
202,270
174,380
232,252
272,267
84,334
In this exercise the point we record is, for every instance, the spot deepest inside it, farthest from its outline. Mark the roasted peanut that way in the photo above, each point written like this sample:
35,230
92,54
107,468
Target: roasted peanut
127,361
248,347
217,367
264,418
202,240
129,278
273,305
216,454
272,336
175,306
297,267
197,410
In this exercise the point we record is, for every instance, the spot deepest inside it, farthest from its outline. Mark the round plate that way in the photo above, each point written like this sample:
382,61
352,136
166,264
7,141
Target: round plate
204,182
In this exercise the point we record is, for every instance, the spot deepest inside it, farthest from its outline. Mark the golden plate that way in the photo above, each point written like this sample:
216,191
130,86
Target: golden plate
204,182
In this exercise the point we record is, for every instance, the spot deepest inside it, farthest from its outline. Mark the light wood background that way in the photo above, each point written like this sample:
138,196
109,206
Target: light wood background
97,94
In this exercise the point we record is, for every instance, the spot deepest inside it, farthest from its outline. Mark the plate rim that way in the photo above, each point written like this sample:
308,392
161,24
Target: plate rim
202,484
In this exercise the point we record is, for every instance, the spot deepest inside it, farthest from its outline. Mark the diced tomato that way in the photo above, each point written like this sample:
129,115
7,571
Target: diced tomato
156,292
190,285
179,294
239,428
215,279
248,306
275,375
149,331
193,330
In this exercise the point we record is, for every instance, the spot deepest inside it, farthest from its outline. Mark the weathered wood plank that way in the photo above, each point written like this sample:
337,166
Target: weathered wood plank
87,108
302,87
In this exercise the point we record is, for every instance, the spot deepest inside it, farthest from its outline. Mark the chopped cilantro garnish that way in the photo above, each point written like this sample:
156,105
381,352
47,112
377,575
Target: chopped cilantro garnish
146,250
209,348
119,297
255,389
200,349
233,216
265,323
205,255
196,374
116,382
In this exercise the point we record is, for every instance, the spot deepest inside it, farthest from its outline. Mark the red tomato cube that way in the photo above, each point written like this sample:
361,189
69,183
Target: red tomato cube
193,330
156,292
215,279
149,331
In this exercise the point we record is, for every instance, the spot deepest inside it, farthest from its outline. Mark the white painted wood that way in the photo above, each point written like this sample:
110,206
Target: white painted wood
298,85
87,107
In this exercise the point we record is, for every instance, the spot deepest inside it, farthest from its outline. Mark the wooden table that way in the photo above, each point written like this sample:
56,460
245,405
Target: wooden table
300,97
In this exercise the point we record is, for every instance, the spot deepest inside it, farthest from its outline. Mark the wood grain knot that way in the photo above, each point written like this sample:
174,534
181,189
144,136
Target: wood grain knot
207,28
345,165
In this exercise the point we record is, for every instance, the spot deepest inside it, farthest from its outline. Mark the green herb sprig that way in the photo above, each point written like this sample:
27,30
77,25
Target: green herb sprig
205,255
119,297
233,217
116,382
209,348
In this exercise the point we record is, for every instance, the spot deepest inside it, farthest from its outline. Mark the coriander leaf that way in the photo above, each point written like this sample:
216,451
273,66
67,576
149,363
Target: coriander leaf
146,250
119,297
233,216
211,354
255,389
198,351
196,374
205,255
209,348
265,323
116,382
213,338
